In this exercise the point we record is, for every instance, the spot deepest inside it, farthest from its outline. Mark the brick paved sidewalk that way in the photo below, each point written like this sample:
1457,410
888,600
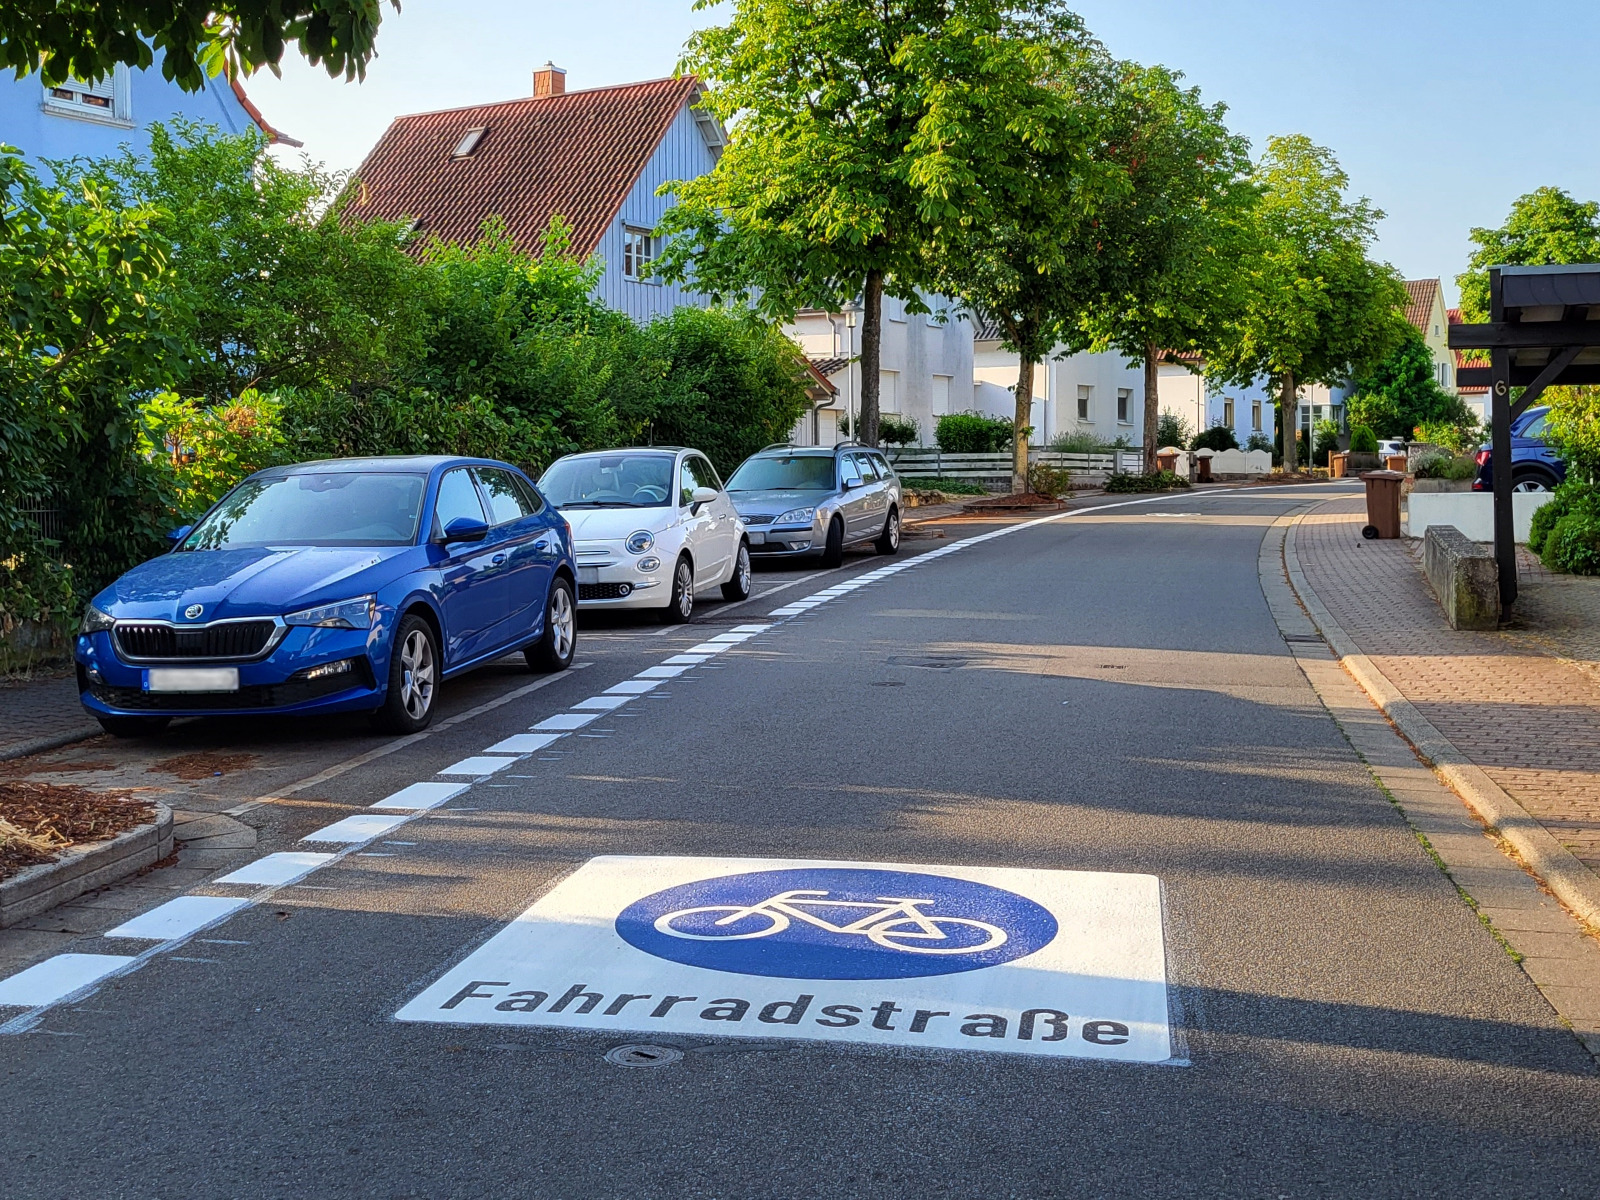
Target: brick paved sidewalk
39,712
1523,703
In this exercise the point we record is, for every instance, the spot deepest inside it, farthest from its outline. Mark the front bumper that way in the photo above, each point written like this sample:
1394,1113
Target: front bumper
285,682
784,541
623,585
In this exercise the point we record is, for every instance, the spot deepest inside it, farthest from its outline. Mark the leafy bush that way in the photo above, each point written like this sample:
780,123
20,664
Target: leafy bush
1327,440
956,487
1219,437
1363,440
1259,441
1077,442
1571,496
1574,428
1159,481
1457,435
1438,465
211,449
1573,544
896,431
1048,481
972,433
1402,392
1172,430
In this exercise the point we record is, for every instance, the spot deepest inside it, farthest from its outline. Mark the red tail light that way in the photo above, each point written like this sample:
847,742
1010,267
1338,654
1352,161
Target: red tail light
1481,458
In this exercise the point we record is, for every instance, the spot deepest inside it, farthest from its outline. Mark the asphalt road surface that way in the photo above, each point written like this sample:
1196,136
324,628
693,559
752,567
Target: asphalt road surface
1105,692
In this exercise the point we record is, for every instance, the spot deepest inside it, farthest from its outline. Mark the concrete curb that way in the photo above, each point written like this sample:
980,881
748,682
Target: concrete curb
41,888
1551,863
51,742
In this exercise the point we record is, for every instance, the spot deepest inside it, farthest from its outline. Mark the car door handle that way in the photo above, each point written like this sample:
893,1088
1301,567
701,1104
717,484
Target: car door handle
498,559
542,545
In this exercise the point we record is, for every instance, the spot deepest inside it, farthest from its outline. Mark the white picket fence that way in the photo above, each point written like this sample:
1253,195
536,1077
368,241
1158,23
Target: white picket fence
919,463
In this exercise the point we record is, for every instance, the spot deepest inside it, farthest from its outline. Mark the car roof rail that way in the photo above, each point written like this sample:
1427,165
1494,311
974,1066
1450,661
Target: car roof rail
776,446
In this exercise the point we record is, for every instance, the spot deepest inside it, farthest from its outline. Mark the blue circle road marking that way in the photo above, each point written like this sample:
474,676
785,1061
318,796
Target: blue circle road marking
837,923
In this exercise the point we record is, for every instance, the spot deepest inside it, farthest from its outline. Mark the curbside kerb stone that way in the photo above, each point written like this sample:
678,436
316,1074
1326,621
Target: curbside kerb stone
1551,862
1464,576
40,888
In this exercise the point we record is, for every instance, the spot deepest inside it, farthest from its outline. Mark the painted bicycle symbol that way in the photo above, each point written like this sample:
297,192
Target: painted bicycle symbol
893,922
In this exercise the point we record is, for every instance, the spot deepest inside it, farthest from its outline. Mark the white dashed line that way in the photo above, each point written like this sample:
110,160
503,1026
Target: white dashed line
288,866
179,918
601,703
478,766
362,827
417,797
55,978
517,743
564,722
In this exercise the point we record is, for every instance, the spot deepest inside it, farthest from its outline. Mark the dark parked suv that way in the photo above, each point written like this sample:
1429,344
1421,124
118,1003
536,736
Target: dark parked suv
1535,466
797,500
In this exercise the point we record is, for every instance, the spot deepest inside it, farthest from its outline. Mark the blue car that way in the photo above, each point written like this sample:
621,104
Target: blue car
1535,466
348,585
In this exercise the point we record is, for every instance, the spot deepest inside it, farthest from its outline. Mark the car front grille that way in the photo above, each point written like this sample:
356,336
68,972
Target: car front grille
228,639
604,591
764,520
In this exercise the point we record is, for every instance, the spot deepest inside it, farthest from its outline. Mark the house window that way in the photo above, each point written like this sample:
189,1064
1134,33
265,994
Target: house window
106,100
888,382
1255,415
468,144
1085,395
1124,403
1227,411
1442,370
639,250
894,310
941,395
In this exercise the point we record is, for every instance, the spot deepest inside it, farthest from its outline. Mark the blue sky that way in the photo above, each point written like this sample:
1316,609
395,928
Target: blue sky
1422,101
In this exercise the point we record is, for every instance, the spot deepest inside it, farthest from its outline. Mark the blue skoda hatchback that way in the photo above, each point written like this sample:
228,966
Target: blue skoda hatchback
347,585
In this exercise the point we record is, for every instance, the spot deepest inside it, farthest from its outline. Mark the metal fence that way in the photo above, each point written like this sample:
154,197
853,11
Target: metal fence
44,516
934,463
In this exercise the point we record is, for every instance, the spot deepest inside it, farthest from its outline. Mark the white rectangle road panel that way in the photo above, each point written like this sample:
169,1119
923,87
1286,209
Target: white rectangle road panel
46,982
661,672
1056,963
274,869
686,660
633,687
517,743
358,828
178,918
478,765
601,703
750,628
564,722
708,648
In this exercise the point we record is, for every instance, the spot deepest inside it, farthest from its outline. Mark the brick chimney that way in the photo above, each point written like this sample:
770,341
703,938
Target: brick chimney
549,80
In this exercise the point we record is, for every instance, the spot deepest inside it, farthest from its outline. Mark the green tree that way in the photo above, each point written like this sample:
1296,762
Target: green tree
846,130
270,288
1314,307
1400,393
84,39
1170,266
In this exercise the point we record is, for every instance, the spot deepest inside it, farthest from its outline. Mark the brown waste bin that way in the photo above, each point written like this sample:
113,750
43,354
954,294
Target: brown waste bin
1383,504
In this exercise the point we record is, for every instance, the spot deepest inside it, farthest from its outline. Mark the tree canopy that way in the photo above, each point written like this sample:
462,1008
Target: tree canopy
85,39
1400,393
1545,228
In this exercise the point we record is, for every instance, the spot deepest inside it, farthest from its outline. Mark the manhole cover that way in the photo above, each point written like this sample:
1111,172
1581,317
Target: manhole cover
643,1056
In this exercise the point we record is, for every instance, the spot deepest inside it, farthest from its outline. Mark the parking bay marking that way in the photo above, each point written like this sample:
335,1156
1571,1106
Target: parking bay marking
1063,963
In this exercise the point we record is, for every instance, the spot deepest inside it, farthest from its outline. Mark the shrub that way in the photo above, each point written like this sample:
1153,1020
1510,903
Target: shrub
1259,441
972,433
1574,429
1363,440
1327,433
1079,441
1172,430
211,449
1160,481
1573,545
897,431
1456,436
1572,496
1048,481
956,487
1445,466
1219,437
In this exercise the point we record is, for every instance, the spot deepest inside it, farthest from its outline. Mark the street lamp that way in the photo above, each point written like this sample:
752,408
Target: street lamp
851,308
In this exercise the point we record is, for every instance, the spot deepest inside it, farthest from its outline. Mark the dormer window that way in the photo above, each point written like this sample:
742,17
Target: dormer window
105,100
468,144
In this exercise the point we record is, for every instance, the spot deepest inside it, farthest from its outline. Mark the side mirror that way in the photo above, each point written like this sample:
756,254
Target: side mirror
852,481
701,495
465,529
178,534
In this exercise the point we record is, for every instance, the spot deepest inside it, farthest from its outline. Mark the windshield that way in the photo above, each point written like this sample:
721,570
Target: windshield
609,481
333,509
798,472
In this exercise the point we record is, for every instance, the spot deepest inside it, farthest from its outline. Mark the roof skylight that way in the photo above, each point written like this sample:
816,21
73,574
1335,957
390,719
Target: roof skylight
469,142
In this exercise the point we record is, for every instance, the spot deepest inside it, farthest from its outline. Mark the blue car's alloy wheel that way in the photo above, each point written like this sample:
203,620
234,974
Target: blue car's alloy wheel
413,677
556,647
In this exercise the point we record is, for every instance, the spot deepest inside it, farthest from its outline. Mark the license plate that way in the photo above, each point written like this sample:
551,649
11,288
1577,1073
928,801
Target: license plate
192,679
758,537
588,574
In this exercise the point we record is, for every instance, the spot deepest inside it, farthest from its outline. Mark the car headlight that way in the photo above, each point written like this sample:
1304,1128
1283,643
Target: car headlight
649,564
640,542
346,614
95,621
797,516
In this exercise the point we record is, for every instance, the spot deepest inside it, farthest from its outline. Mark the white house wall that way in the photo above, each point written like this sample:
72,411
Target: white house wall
682,154
1055,393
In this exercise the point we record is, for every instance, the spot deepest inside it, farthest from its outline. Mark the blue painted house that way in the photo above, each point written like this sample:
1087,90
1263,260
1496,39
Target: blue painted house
94,120
595,157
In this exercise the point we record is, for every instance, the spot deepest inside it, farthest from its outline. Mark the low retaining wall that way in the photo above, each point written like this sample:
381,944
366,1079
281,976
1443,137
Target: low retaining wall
1470,512
1464,576
32,643
37,889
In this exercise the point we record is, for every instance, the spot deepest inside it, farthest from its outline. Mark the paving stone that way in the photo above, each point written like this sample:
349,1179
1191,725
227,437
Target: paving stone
1561,973
1541,943
41,708
1547,918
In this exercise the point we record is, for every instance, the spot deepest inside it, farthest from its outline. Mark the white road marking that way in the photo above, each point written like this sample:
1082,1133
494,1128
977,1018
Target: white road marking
478,766
288,866
633,687
54,978
601,703
564,722
179,918
686,660
661,672
519,743
362,827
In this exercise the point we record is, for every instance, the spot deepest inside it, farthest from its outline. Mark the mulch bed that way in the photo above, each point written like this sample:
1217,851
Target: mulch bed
1016,502
204,763
39,820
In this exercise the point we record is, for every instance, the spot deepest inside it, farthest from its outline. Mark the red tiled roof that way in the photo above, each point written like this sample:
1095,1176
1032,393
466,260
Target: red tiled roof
577,154
826,366
1454,317
275,136
1423,293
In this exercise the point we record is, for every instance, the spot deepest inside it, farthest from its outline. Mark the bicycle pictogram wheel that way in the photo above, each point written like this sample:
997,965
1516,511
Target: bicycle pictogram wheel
914,940
779,922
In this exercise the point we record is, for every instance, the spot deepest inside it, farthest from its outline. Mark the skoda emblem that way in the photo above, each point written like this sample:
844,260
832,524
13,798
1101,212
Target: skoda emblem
194,611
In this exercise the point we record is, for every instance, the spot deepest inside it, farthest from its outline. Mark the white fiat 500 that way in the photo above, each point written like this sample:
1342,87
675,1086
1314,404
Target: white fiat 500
650,527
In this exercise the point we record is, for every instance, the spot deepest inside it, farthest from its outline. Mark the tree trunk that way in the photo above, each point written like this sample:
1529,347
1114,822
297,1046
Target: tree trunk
1289,407
1152,407
866,430
1023,418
